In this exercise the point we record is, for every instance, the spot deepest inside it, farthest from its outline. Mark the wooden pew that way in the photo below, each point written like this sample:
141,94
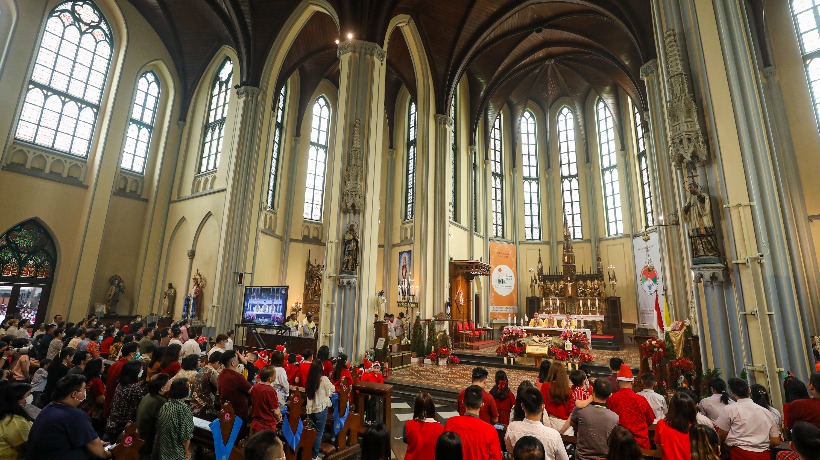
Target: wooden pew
202,445
304,449
128,444
347,441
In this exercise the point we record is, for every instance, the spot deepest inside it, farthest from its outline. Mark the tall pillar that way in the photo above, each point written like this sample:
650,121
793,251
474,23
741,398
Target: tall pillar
442,174
471,195
387,257
349,292
239,209
290,201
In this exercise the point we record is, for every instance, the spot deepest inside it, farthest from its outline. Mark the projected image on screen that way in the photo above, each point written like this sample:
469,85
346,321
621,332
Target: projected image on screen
265,305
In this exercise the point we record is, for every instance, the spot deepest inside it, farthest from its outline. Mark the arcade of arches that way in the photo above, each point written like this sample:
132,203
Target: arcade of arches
381,140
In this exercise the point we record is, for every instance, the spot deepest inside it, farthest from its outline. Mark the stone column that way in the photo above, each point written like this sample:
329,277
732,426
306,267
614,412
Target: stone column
233,253
471,195
442,173
290,201
390,190
349,296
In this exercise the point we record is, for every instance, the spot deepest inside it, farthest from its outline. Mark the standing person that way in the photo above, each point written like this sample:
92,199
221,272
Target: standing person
479,439
593,423
146,340
95,394
304,367
504,399
265,402
533,404
229,343
656,401
793,390
517,414
807,410
190,347
317,391
148,412
55,345
672,432
634,412
714,405
188,371
21,362
376,443
448,447
704,443
746,428
421,433
183,331
323,355
175,332
107,340
308,327
204,392
558,400
78,362
38,381
233,387
15,422
175,425
488,411
760,395
56,371
622,446
340,370
129,351
806,440
93,347
219,344
45,341
63,431
614,366
170,361
126,398
280,381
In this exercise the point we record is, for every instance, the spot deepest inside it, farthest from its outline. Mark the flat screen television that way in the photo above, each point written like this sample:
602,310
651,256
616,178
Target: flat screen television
265,305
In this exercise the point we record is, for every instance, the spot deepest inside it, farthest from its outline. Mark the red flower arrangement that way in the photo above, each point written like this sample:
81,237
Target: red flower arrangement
576,352
443,353
682,365
655,349
511,342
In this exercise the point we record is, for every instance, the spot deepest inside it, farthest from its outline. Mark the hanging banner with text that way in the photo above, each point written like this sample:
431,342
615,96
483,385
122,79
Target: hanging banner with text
650,281
503,281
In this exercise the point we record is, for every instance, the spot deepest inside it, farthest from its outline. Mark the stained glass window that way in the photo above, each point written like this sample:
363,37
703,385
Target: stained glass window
410,190
317,157
27,252
141,124
609,170
215,117
497,164
570,190
454,185
278,129
806,16
643,171
529,164
64,93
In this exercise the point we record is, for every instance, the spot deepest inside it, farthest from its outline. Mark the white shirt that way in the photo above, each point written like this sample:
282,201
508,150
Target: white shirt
215,349
391,330
749,426
229,344
398,325
656,402
712,407
280,383
175,341
321,401
549,437
190,347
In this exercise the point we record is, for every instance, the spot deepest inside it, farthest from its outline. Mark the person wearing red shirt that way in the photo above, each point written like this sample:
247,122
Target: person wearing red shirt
422,432
265,402
806,410
479,440
129,352
634,412
323,355
488,411
233,387
292,369
108,339
614,366
672,432
558,400
304,367
340,371
580,384
170,361
373,373
504,399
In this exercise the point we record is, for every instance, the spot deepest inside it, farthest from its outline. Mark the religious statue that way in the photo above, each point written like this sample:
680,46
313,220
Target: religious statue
116,286
350,256
169,298
697,214
196,292
533,284
313,280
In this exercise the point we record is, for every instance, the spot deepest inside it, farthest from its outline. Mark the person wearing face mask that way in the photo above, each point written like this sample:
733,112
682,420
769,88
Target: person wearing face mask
63,431
15,423
129,351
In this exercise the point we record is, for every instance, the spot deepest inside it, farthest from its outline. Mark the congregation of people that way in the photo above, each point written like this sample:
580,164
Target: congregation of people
562,415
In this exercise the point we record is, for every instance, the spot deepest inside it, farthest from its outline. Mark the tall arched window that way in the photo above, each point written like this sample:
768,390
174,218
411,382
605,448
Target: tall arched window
643,171
317,157
570,190
216,116
529,163
141,124
278,129
497,164
806,16
609,170
64,93
410,190
454,185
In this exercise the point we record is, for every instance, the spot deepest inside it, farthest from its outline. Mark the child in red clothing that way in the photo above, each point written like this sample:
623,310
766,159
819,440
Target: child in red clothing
292,369
504,399
580,391
373,373
340,370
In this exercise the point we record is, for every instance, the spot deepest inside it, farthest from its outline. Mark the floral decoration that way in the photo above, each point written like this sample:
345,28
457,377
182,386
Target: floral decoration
573,347
682,365
511,342
655,349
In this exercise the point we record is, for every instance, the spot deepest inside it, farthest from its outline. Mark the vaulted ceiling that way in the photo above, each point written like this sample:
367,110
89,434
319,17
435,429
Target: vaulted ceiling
510,51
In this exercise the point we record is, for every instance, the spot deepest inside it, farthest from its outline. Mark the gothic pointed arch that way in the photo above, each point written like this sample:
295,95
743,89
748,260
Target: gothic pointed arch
28,259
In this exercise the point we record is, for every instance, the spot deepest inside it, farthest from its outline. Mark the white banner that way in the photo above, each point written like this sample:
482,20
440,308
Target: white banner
650,280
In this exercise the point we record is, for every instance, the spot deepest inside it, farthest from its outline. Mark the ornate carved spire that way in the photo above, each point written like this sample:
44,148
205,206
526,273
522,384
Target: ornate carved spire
353,193
686,144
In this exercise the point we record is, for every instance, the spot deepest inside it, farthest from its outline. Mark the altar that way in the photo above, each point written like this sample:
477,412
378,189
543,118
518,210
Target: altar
554,331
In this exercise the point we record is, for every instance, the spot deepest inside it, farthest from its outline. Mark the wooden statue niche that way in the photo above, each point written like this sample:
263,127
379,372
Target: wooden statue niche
314,272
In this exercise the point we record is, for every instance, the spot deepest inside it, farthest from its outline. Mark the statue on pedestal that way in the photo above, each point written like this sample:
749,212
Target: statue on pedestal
697,215
169,298
350,256
116,286
196,292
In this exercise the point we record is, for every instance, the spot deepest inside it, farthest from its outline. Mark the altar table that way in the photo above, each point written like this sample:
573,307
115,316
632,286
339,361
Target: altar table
555,331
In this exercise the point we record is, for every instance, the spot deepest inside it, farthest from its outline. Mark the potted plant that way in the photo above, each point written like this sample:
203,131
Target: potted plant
431,358
414,359
443,356
417,339
512,344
